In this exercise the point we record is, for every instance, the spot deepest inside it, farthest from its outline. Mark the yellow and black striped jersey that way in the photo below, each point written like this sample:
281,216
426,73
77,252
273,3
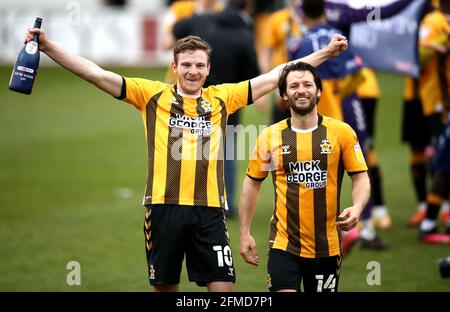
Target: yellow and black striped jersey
307,171
185,139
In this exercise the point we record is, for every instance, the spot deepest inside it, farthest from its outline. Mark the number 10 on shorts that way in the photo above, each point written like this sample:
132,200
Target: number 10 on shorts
223,255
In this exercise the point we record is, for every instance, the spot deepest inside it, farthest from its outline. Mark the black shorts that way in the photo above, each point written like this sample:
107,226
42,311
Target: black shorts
415,130
171,231
287,271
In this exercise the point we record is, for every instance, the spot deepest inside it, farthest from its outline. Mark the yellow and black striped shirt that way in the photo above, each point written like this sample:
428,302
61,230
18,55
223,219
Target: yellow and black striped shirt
307,170
185,139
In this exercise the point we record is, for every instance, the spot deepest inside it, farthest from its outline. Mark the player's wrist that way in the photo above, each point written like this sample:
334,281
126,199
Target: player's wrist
358,208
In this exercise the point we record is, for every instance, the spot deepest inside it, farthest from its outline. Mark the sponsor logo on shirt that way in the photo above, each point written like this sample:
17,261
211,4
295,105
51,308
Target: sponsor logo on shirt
196,125
307,173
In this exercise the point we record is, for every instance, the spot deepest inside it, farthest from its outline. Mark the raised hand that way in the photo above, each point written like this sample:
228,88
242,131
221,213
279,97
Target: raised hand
43,41
337,45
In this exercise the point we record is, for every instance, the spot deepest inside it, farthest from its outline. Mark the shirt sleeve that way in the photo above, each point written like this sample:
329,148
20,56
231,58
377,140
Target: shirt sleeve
352,154
138,92
234,95
259,165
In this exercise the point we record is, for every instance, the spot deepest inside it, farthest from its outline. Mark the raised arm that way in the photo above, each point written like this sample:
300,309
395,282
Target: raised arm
267,82
105,80
247,208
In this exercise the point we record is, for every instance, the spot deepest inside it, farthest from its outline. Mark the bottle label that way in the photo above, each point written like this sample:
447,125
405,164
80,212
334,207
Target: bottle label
31,47
25,69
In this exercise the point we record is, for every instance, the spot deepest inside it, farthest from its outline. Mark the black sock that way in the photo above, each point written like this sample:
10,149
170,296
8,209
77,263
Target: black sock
375,181
418,172
432,211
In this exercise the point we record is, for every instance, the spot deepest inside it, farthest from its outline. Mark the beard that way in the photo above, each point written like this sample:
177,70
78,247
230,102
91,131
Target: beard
304,110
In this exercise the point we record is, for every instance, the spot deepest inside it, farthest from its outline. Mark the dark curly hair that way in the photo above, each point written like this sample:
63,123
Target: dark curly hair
298,66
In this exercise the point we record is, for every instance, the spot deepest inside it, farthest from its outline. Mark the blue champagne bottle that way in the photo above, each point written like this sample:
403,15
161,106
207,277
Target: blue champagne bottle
27,63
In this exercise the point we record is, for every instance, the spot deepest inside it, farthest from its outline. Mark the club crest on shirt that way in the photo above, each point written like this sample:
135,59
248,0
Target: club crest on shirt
325,147
207,107
285,149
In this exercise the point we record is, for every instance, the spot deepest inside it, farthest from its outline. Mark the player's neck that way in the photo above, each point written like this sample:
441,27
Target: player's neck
311,22
306,122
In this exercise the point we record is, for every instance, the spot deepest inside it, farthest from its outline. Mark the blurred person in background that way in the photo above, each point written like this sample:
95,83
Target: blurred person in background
435,49
440,191
415,134
423,119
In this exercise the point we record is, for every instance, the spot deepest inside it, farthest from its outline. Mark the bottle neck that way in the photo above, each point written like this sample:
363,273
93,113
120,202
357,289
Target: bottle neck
37,24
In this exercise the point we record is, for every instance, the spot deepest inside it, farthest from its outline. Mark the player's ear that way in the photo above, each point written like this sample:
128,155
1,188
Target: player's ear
319,93
285,97
209,68
173,66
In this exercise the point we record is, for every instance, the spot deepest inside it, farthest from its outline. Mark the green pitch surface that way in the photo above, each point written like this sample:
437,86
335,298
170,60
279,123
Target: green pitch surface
72,175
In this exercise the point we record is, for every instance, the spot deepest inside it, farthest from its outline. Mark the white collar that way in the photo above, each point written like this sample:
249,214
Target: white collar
304,130
189,95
